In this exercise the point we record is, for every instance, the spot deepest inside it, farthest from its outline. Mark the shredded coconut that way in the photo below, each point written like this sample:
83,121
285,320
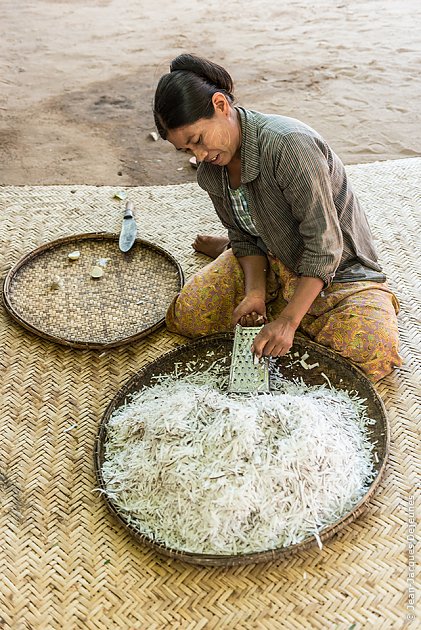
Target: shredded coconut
203,471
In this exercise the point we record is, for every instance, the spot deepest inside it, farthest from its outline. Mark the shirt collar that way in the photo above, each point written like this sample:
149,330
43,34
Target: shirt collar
250,152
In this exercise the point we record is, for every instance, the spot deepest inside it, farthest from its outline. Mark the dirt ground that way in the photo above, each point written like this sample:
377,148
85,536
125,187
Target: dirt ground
77,79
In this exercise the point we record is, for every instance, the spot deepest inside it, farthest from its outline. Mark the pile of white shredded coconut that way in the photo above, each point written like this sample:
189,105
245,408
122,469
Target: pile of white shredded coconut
204,471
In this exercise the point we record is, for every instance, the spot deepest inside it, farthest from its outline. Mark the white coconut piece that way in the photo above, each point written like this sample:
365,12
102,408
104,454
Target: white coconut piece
56,283
97,272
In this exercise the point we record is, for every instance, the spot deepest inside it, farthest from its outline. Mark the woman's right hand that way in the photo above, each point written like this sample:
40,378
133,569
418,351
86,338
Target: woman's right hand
250,312
252,309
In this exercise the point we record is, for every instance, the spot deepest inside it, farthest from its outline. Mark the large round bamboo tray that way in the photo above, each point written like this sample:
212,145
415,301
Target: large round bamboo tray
341,375
128,302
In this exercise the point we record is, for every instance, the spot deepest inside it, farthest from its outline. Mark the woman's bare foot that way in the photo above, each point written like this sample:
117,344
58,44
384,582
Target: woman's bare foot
212,246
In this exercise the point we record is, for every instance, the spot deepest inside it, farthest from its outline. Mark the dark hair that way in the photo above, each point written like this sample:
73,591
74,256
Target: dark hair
185,94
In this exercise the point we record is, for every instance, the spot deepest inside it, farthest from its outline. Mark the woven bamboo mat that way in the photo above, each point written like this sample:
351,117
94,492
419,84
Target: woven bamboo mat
65,563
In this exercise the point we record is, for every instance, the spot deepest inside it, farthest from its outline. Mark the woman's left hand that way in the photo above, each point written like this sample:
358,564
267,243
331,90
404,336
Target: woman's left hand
275,339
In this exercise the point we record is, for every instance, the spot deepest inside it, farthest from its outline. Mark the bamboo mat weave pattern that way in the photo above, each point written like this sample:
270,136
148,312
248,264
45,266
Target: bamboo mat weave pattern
66,564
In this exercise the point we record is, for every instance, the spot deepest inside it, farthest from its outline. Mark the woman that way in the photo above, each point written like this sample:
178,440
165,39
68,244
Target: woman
301,253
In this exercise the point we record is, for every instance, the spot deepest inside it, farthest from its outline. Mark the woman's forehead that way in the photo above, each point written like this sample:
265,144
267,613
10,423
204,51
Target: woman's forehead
183,135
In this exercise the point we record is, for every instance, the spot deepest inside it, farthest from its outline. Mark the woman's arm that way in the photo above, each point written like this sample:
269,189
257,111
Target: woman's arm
304,177
252,309
276,338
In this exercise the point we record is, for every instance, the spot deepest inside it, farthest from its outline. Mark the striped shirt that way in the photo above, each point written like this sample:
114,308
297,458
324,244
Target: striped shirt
299,199
240,208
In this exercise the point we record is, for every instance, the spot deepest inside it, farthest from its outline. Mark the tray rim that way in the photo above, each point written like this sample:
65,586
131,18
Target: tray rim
214,560
110,236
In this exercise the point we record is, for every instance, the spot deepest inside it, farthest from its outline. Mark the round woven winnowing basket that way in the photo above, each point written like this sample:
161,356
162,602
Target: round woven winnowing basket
206,350
128,302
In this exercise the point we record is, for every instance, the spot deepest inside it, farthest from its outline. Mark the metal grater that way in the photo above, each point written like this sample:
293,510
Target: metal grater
246,376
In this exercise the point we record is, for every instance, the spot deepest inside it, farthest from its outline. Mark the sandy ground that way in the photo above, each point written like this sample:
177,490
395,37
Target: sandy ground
77,79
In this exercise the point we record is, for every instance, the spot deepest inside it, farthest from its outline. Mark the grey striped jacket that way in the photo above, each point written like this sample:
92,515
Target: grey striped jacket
300,201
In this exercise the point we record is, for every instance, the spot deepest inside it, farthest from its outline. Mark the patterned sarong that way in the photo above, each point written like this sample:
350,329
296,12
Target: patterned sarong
356,319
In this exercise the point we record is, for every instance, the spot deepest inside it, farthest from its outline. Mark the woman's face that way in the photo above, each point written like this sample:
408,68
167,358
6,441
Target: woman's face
216,140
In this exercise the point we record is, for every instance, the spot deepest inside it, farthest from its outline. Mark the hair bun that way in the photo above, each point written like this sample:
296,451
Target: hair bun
210,72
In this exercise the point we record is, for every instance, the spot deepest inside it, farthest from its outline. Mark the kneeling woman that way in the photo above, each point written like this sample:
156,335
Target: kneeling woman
301,253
